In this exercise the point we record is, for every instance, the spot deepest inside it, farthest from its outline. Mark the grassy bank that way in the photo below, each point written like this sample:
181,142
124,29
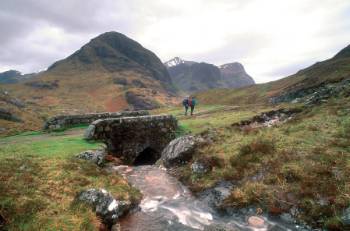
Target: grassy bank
40,178
303,163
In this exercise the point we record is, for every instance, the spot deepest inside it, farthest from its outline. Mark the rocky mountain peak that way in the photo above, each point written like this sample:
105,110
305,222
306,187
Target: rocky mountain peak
177,61
174,62
233,67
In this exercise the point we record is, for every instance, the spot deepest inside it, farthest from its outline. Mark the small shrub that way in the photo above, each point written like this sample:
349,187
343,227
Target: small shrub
216,161
261,146
292,172
249,130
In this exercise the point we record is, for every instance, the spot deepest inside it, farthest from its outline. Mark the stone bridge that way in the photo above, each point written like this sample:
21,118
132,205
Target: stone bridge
65,121
135,140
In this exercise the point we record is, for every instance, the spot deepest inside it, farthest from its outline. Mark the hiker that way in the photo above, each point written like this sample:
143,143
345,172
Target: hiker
185,103
192,103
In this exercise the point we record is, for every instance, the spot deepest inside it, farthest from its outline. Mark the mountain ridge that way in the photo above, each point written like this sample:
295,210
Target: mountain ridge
191,77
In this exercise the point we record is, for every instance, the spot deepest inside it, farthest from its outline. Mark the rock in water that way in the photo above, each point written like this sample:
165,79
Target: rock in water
219,227
178,151
217,195
95,156
256,222
104,204
346,218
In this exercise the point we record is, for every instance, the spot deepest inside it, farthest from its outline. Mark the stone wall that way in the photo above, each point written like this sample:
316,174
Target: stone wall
134,138
65,121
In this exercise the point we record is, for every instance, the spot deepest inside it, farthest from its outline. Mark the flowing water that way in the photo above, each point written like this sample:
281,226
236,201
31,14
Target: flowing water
168,205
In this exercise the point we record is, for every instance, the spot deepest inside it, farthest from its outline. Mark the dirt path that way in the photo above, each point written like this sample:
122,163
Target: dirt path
41,137
204,113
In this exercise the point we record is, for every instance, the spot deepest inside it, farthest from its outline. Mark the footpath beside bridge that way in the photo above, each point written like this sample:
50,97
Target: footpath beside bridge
135,140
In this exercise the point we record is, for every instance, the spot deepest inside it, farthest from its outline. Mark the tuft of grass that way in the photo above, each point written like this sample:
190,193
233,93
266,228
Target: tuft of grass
258,146
182,130
252,152
344,130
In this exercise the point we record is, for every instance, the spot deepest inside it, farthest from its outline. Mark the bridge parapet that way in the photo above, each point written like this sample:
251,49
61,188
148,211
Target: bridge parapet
65,121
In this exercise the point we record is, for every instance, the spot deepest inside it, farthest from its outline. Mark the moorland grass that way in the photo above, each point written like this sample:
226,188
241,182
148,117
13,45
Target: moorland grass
304,162
40,179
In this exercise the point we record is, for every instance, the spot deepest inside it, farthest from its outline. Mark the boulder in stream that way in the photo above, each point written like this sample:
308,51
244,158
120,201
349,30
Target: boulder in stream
216,195
179,151
104,204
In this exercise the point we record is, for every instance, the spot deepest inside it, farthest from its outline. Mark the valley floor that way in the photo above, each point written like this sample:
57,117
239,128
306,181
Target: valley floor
302,164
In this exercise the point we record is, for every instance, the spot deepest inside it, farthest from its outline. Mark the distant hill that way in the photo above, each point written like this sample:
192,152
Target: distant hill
287,89
114,52
110,73
13,76
190,77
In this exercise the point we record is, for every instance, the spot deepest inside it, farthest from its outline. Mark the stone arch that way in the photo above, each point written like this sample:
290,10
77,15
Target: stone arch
148,156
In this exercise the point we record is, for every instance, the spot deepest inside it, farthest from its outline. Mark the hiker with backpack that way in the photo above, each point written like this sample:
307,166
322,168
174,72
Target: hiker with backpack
189,102
192,103
185,103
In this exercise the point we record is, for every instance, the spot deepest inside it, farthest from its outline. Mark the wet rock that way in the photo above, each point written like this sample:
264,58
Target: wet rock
287,217
215,196
219,227
346,217
256,222
178,151
104,204
95,156
200,167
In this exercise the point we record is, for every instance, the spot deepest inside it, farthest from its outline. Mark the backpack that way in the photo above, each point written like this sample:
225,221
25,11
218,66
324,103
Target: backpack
185,102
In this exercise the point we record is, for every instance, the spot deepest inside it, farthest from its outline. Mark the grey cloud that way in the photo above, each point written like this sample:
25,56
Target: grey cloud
84,19
237,48
25,48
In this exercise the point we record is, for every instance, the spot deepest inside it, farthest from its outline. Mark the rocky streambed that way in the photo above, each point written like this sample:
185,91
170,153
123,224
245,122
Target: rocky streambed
169,205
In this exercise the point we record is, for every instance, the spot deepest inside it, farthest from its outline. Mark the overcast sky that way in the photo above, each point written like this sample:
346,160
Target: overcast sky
271,38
